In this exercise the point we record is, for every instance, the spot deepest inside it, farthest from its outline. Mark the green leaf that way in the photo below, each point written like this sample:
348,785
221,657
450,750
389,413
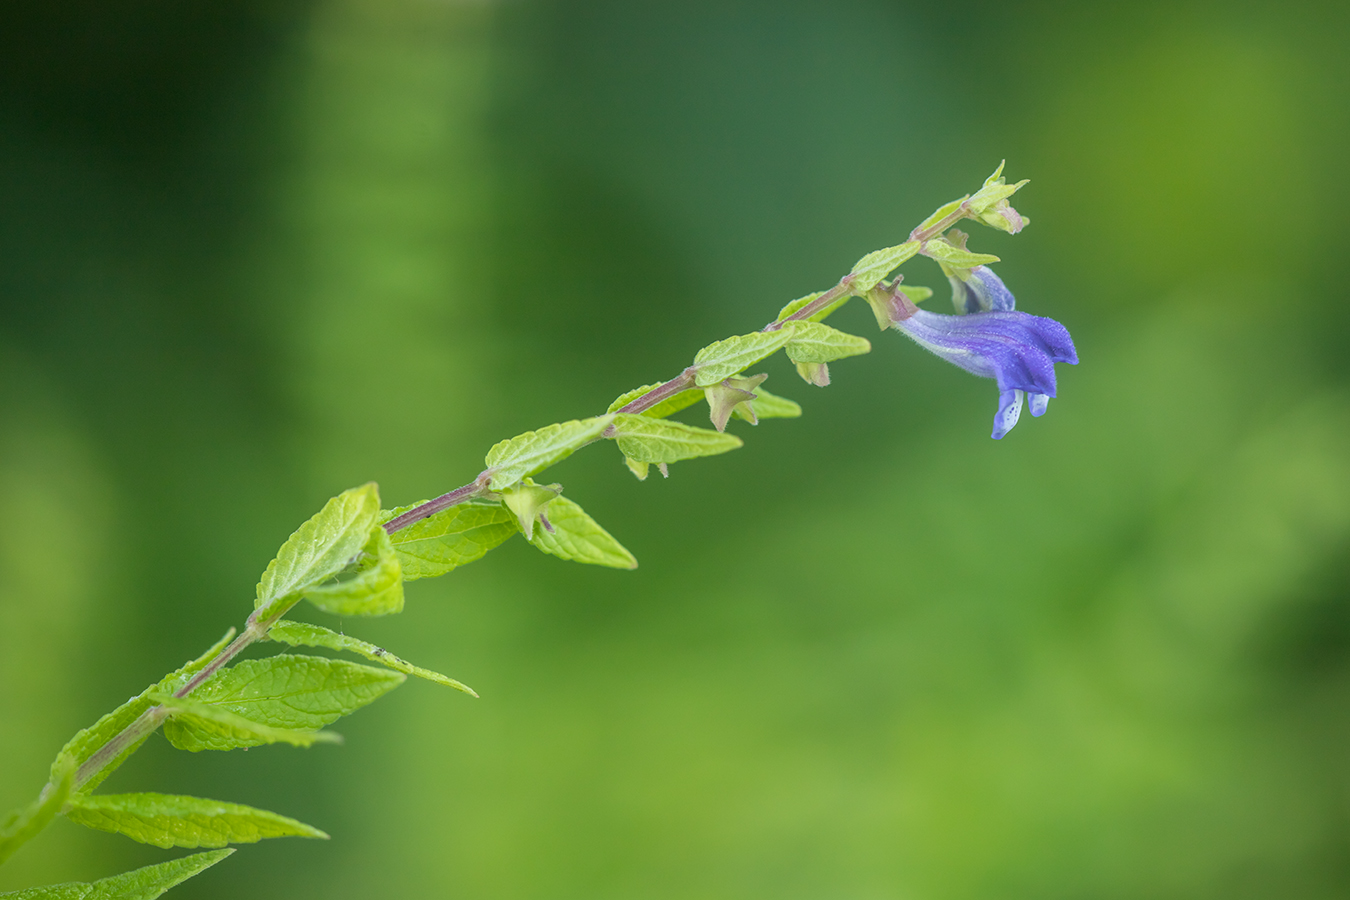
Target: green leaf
815,343
534,451
869,271
303,634
528,500
732,395
578,537
451,538
288,692
818,316
376,589
168,820
87,741
637,468
771,406
140,884
941,213
22,826
957,258
323,546
647,440
667,407
195,726
916,294
723,359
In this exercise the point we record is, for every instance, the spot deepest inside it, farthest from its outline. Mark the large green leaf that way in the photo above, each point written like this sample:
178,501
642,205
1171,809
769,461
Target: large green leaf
646,440
195,726
578,537
323,546
534,451
87,741
140,884
375,589
813,342
667,407
303,634
168,820
451,538
723,359
284,692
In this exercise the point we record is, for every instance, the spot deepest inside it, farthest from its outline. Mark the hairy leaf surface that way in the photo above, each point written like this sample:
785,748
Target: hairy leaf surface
168,820
303,634
534,451
725,358
285,692
578,537
956,257
323,546
198,726
646,440
139,884
376,589
869,271
813,342
449,539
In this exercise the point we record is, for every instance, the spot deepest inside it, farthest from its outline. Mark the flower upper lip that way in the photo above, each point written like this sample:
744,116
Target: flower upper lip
1016,349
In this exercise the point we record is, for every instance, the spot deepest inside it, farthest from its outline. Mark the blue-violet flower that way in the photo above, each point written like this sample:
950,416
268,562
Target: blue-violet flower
990,339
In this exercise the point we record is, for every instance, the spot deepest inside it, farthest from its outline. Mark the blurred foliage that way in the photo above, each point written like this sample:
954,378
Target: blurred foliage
255,253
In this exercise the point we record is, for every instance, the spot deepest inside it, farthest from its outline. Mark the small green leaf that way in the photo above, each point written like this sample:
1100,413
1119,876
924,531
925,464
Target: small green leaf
916,294
941,213
323,546
869,271
196,726
288,692
534,451
771,406
87,741
451,538
817,374
818,316
376,588
643,439
732,395
140,884
168,820
578,537
815,343
956,257
303,634
25,824
723,359
528,501
667,407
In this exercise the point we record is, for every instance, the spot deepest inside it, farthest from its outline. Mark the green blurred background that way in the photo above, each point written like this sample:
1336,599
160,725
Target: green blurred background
252,253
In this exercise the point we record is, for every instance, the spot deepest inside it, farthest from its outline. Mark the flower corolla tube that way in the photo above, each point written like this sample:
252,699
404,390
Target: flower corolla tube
989,338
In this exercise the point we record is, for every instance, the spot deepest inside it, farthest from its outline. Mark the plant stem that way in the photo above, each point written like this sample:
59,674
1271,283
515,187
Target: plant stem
255,630
475,488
